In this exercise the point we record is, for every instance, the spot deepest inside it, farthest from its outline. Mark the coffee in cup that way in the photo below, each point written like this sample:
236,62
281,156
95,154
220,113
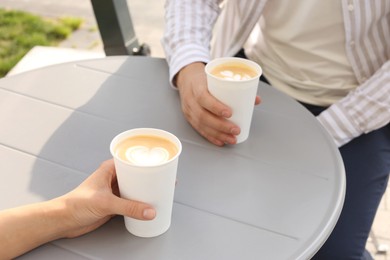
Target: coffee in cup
234,71
146,150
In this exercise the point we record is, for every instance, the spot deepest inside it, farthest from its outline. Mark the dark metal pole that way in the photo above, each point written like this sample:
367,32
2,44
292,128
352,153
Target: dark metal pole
116,28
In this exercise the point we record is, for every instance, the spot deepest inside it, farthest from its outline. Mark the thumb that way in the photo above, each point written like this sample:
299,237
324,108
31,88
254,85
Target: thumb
132,208
257,100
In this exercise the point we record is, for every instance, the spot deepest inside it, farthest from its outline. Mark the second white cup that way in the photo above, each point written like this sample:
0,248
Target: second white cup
234,82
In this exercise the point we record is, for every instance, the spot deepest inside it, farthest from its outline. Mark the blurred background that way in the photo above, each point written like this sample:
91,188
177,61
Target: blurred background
147,18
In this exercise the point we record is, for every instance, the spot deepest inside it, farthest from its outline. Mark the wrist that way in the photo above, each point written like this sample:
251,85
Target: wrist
57,216
189,70
27,227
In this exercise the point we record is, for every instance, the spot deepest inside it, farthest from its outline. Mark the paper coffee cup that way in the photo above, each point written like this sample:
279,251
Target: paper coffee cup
234,82
146,174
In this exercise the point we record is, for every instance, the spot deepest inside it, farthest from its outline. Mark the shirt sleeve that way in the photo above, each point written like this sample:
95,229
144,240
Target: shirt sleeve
188,32
363,110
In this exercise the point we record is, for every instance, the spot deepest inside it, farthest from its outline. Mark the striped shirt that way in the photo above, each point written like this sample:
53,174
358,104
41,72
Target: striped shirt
189,29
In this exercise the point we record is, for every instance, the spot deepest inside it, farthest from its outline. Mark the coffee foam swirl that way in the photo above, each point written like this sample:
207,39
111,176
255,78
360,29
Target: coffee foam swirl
230,75
146,156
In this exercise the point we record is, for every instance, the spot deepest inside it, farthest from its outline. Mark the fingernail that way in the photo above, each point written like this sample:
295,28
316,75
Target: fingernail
235,131
231,140
225,114
149,214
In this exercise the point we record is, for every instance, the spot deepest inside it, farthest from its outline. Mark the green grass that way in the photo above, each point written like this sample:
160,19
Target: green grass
20,31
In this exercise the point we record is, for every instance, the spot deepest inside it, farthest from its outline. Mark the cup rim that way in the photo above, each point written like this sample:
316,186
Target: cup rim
247,62
150,131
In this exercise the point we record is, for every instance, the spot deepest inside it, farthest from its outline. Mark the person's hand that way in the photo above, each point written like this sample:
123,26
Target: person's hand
205,113
83,209
97,199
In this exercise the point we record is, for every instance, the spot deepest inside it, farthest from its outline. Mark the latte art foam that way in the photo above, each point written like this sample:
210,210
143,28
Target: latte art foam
234,71
230,75
145,156
146,150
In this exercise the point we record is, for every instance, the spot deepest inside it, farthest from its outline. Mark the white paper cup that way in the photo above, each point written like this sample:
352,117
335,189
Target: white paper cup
154,185
239,95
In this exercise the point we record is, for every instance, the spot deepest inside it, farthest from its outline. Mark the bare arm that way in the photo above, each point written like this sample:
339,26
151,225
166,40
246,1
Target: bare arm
80,211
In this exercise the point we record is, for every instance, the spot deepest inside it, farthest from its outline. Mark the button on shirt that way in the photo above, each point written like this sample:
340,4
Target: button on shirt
366,23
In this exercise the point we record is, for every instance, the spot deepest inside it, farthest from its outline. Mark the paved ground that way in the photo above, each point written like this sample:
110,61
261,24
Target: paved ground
148,20
148,23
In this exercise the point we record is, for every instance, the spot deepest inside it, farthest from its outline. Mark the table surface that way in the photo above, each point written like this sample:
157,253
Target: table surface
276,196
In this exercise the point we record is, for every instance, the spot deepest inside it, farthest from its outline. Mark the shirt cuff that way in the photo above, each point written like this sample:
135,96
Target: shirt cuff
339,124
186,55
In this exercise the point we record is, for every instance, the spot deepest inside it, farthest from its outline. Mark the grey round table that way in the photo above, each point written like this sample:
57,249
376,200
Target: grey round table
276,196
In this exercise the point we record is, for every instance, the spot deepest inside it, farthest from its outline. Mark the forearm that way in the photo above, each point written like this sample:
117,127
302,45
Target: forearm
27,227
365,109
80,211
188,32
